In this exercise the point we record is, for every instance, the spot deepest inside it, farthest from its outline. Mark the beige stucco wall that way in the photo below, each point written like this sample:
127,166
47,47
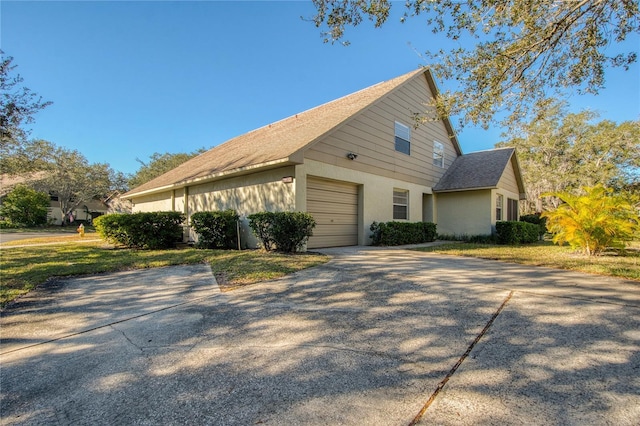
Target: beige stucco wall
264,191
253,193
470,212
160,202
375,198
247,194
465,212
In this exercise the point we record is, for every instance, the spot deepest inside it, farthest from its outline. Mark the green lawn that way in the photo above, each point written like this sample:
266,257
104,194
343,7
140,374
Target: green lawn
23,268
623,265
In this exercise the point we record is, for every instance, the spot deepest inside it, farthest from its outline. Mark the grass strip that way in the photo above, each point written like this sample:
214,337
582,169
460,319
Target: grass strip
624,264
24,268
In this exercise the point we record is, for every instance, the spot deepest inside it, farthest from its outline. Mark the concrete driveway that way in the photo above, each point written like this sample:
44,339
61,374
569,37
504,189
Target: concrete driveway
374,337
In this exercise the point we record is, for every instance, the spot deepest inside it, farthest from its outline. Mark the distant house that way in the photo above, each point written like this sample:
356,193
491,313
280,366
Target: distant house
85,211
349,162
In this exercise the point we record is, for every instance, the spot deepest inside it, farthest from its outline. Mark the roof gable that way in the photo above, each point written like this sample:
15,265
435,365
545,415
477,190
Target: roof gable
279,142
479,170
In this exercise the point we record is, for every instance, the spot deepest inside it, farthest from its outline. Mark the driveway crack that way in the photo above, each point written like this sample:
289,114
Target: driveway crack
457,365
140,348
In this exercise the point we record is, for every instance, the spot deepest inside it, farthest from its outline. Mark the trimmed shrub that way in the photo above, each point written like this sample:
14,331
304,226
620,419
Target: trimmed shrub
152,230
536,219
282,231
513,232
260,224
216,229
400,233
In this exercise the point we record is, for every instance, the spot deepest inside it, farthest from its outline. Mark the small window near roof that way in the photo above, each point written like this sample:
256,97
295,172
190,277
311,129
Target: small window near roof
438,154
400,204
403,138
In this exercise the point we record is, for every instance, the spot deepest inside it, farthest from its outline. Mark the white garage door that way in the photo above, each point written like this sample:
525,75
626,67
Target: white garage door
334,206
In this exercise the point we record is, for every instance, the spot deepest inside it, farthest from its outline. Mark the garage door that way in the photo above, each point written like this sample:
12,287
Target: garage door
334,206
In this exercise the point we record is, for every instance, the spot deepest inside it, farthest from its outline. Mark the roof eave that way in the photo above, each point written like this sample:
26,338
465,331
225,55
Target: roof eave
215,176
301,151
518,173
447,123
479,188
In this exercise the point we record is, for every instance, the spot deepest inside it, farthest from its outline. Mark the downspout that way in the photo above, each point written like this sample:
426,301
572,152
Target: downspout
186,204
187,225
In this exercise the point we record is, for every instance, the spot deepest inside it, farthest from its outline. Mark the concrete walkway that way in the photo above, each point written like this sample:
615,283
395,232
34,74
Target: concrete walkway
376,336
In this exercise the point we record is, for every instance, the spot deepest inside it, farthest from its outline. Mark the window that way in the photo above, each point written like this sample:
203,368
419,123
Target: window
438,154
403,138
499,201
400,204
512,209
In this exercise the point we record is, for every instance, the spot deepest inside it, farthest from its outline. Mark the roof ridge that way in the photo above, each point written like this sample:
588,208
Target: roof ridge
277,141
328,103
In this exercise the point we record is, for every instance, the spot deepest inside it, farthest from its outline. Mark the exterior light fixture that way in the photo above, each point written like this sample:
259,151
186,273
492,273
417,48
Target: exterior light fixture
352,156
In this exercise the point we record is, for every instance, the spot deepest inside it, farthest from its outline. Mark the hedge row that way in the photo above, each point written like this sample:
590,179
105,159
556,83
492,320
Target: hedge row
153,230
512,232
282,231
399,233
536,219
217,229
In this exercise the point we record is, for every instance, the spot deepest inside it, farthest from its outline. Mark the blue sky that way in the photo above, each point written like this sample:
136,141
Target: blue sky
132,78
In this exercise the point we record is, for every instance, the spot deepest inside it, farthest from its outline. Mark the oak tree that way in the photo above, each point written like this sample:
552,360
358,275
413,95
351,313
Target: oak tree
513,55
18,105
563,151
72,179
159,164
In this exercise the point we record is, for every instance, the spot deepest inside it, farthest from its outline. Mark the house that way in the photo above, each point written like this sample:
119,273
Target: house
487,183
85,211
349,162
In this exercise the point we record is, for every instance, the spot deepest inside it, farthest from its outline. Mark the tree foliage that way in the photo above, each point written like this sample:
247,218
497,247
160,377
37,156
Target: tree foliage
593,220
521,50
561,152
25,206
69,176
159,164
18,105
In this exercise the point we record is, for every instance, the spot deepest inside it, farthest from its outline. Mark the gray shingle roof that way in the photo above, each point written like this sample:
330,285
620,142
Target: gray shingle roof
475,170
279,142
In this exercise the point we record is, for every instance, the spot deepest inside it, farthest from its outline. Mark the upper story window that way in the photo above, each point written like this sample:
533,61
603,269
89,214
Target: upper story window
403,138
400,204
438,154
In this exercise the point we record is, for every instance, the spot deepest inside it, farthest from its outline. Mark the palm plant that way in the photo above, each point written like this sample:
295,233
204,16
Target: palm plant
594,220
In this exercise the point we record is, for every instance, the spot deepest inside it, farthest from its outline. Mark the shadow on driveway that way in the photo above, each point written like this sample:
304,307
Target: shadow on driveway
364,339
